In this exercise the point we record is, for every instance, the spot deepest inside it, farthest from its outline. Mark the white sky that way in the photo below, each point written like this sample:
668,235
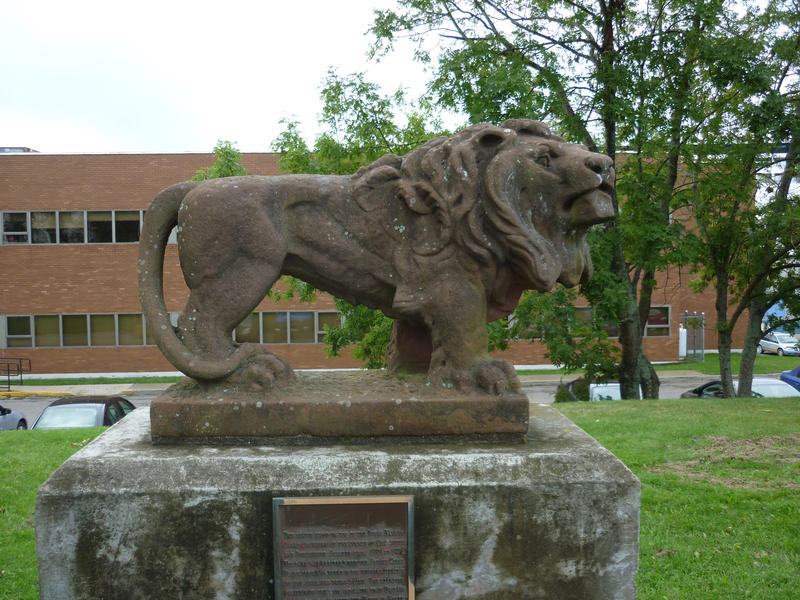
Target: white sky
178,75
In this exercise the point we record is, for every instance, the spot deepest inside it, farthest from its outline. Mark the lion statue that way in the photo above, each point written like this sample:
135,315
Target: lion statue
443,240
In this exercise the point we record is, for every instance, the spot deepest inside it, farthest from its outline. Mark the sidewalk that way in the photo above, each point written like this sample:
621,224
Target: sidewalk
97,389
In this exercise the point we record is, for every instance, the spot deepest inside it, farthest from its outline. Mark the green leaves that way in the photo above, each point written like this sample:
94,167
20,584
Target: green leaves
227,164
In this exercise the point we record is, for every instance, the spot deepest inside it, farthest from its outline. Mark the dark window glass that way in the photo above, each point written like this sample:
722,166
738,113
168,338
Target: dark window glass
301,327
18,325
15,228
658,322
74,328
20,329
275,327
126,226
103,330
47,333
70,227
130,330
43,227
99,226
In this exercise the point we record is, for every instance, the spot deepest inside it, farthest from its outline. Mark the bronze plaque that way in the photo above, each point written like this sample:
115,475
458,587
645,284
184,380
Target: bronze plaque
344,547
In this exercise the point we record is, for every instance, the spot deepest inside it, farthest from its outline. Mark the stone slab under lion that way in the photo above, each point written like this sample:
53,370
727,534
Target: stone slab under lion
321,407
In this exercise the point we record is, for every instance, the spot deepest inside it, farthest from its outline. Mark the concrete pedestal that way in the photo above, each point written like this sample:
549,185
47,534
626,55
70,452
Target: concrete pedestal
555,517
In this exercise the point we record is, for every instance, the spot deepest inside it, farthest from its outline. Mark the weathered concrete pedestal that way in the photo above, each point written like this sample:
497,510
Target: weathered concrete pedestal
555,517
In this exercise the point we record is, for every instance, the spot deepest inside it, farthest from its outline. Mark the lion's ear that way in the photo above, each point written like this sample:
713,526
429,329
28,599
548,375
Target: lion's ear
487,141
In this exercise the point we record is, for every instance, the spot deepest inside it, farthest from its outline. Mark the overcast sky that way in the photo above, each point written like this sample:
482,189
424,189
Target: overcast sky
177,75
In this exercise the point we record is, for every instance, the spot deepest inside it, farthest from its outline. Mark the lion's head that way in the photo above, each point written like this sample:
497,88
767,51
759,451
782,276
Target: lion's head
511,194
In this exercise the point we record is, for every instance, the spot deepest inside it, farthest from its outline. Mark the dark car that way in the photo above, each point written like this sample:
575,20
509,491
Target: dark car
762,387
83,411
792,378
12,419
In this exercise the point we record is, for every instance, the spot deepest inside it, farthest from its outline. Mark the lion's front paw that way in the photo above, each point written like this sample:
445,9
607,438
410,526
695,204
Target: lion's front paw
493,376
262,371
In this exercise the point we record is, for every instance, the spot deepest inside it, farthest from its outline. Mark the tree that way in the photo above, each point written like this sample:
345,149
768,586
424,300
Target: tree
747,246
652,78
228,163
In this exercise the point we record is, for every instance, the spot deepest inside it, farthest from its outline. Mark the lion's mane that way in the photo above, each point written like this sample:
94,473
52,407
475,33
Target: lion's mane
460,179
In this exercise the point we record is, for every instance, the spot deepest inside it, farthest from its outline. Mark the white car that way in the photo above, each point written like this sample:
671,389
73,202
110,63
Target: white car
12,419
604,391
778,343
762,387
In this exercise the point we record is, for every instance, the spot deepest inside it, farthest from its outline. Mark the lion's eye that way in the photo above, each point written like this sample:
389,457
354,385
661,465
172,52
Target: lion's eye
543,159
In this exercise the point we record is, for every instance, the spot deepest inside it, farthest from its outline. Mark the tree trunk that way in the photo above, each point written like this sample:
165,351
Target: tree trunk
630,339
724,336
757,310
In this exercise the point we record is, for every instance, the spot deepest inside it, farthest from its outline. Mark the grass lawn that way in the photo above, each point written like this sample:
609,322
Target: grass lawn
26,460
720,494
765,364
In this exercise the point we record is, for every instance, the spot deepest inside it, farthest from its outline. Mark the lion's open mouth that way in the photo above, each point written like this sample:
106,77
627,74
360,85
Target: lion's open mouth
592,207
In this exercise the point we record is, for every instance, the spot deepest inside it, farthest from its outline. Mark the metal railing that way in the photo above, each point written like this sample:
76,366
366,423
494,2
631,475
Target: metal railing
11,366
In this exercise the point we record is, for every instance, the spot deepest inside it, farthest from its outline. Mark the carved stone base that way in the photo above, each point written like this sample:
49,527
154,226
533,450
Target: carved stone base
322,407
555,517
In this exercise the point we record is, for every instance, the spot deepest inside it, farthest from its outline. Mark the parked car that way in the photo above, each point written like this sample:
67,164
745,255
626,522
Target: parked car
778,343
604,391
83,411
12,419
792,378
762,387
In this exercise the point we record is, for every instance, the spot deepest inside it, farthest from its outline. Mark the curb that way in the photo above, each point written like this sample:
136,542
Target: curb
57,393
16,394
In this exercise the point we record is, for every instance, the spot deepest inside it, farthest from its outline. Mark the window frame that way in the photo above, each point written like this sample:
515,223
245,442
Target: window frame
28,231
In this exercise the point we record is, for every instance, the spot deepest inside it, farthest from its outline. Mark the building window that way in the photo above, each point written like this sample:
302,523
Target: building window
657,322
129,330
75,330
46,331
275,330
326,319
102,330
43,227
126,226
301,327
586,313
98,227
19,332
72,227
15,228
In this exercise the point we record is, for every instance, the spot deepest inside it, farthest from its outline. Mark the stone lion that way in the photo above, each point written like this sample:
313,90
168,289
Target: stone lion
442,240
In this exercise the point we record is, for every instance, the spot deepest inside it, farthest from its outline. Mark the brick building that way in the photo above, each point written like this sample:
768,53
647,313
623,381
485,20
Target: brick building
68,252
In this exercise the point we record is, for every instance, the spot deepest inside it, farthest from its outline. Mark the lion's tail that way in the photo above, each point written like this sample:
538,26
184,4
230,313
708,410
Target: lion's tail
160,219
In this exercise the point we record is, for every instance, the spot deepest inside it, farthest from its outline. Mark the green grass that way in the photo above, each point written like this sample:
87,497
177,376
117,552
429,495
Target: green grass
27,458
720,492
765,364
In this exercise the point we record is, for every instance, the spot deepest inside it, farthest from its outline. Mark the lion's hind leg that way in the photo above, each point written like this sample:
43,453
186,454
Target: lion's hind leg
216,306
